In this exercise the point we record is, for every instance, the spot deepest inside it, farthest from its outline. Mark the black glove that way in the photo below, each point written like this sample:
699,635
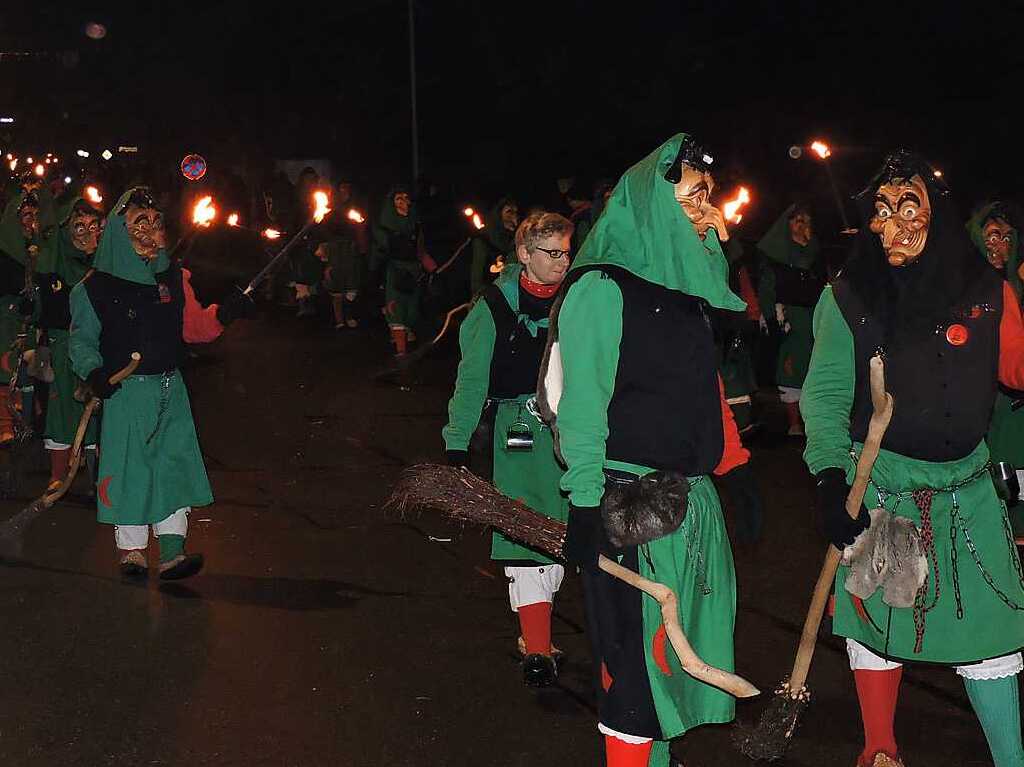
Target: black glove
99,383
236,306
585,538
742,487
840,528
457,457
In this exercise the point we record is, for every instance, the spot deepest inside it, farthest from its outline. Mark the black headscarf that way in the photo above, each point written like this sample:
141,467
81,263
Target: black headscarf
911,301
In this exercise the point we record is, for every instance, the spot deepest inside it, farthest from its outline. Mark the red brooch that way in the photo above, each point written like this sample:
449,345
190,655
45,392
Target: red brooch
957,334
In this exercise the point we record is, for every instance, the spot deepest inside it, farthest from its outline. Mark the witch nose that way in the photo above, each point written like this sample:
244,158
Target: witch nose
889,233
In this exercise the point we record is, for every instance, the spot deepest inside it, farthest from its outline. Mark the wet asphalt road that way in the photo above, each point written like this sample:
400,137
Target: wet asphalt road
324,632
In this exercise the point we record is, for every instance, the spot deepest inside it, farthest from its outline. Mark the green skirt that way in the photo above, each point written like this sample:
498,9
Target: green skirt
402,293
63,411
150,462
973,607
1006,432
531,476
795,348
696,563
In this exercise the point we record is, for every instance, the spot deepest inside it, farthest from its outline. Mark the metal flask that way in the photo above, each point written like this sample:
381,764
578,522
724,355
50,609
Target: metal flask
1004,476
519,436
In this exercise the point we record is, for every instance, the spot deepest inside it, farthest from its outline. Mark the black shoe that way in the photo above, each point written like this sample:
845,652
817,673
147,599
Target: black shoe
539,670
183,566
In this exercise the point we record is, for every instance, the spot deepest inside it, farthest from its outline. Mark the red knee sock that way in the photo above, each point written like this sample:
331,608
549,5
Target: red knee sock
878,692
619,753
59,463
535,623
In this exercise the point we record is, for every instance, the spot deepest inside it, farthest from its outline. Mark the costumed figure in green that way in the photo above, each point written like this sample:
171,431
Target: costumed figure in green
790,283
995,234
631,384
502,342
398,248
307,267
19,248
495,245
933,571
135,299
345,254
64,260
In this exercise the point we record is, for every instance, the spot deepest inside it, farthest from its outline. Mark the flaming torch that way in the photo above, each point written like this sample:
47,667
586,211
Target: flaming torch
823,151
203,214
321,207
478,223
233,219
355,216
92,194
731,209
271,234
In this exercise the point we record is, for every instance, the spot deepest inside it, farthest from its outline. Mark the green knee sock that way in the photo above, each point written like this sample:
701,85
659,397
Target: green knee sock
660,754
171,546
997,704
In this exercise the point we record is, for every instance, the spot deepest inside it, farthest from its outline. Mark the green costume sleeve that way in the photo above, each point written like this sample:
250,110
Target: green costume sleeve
476,340
827,396
590,329
84,346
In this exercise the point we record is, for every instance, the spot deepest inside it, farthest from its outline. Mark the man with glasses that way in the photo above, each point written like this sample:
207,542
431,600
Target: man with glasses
494,407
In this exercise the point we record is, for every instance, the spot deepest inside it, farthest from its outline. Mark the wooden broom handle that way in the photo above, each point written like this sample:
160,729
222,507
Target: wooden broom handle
75,459
882,405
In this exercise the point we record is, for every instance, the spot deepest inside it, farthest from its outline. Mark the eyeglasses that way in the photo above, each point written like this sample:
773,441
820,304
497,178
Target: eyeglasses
553,254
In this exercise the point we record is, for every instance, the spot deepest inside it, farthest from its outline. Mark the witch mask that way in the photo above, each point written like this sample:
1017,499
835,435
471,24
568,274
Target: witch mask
28,217
800,228
693,193
146,230
85,229
902,215
998,237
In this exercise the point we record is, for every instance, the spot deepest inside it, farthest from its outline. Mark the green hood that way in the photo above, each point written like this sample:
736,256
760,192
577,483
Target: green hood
974,225
115,254
643,230
779,246
12,240
389,218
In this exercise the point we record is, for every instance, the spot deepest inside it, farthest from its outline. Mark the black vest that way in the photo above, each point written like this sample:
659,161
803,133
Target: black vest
943,387
665,410
515,363
54,302
148,319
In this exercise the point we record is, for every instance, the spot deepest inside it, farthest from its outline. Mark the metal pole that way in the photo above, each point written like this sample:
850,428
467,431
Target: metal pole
835,191
412,93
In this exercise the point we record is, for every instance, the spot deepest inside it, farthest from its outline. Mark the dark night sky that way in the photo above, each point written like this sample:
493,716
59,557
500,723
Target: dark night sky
513,95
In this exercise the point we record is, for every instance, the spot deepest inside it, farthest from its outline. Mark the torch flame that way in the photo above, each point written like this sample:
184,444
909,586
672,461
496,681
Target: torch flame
468,212
321,200
203,213
937,173
821,149
477,221
271,234
233,219
92,194
731,209
355,215
14,163
40,170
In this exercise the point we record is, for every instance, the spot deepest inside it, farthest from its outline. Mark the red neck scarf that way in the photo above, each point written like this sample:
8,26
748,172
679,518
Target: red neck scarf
537,289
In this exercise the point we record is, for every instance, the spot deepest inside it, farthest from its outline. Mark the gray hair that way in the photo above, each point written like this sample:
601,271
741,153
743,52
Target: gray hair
537,226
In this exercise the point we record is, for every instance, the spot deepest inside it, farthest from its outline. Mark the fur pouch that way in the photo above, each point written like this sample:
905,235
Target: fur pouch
640,510
888,556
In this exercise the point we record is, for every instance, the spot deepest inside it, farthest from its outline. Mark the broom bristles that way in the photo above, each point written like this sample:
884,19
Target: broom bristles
770,739
463,497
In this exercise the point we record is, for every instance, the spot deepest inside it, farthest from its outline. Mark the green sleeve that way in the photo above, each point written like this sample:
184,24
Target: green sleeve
379,247
827,396
476,340
589,329
84,346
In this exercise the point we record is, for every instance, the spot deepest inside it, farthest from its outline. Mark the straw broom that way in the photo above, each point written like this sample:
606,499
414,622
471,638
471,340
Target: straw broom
464,497
771,737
